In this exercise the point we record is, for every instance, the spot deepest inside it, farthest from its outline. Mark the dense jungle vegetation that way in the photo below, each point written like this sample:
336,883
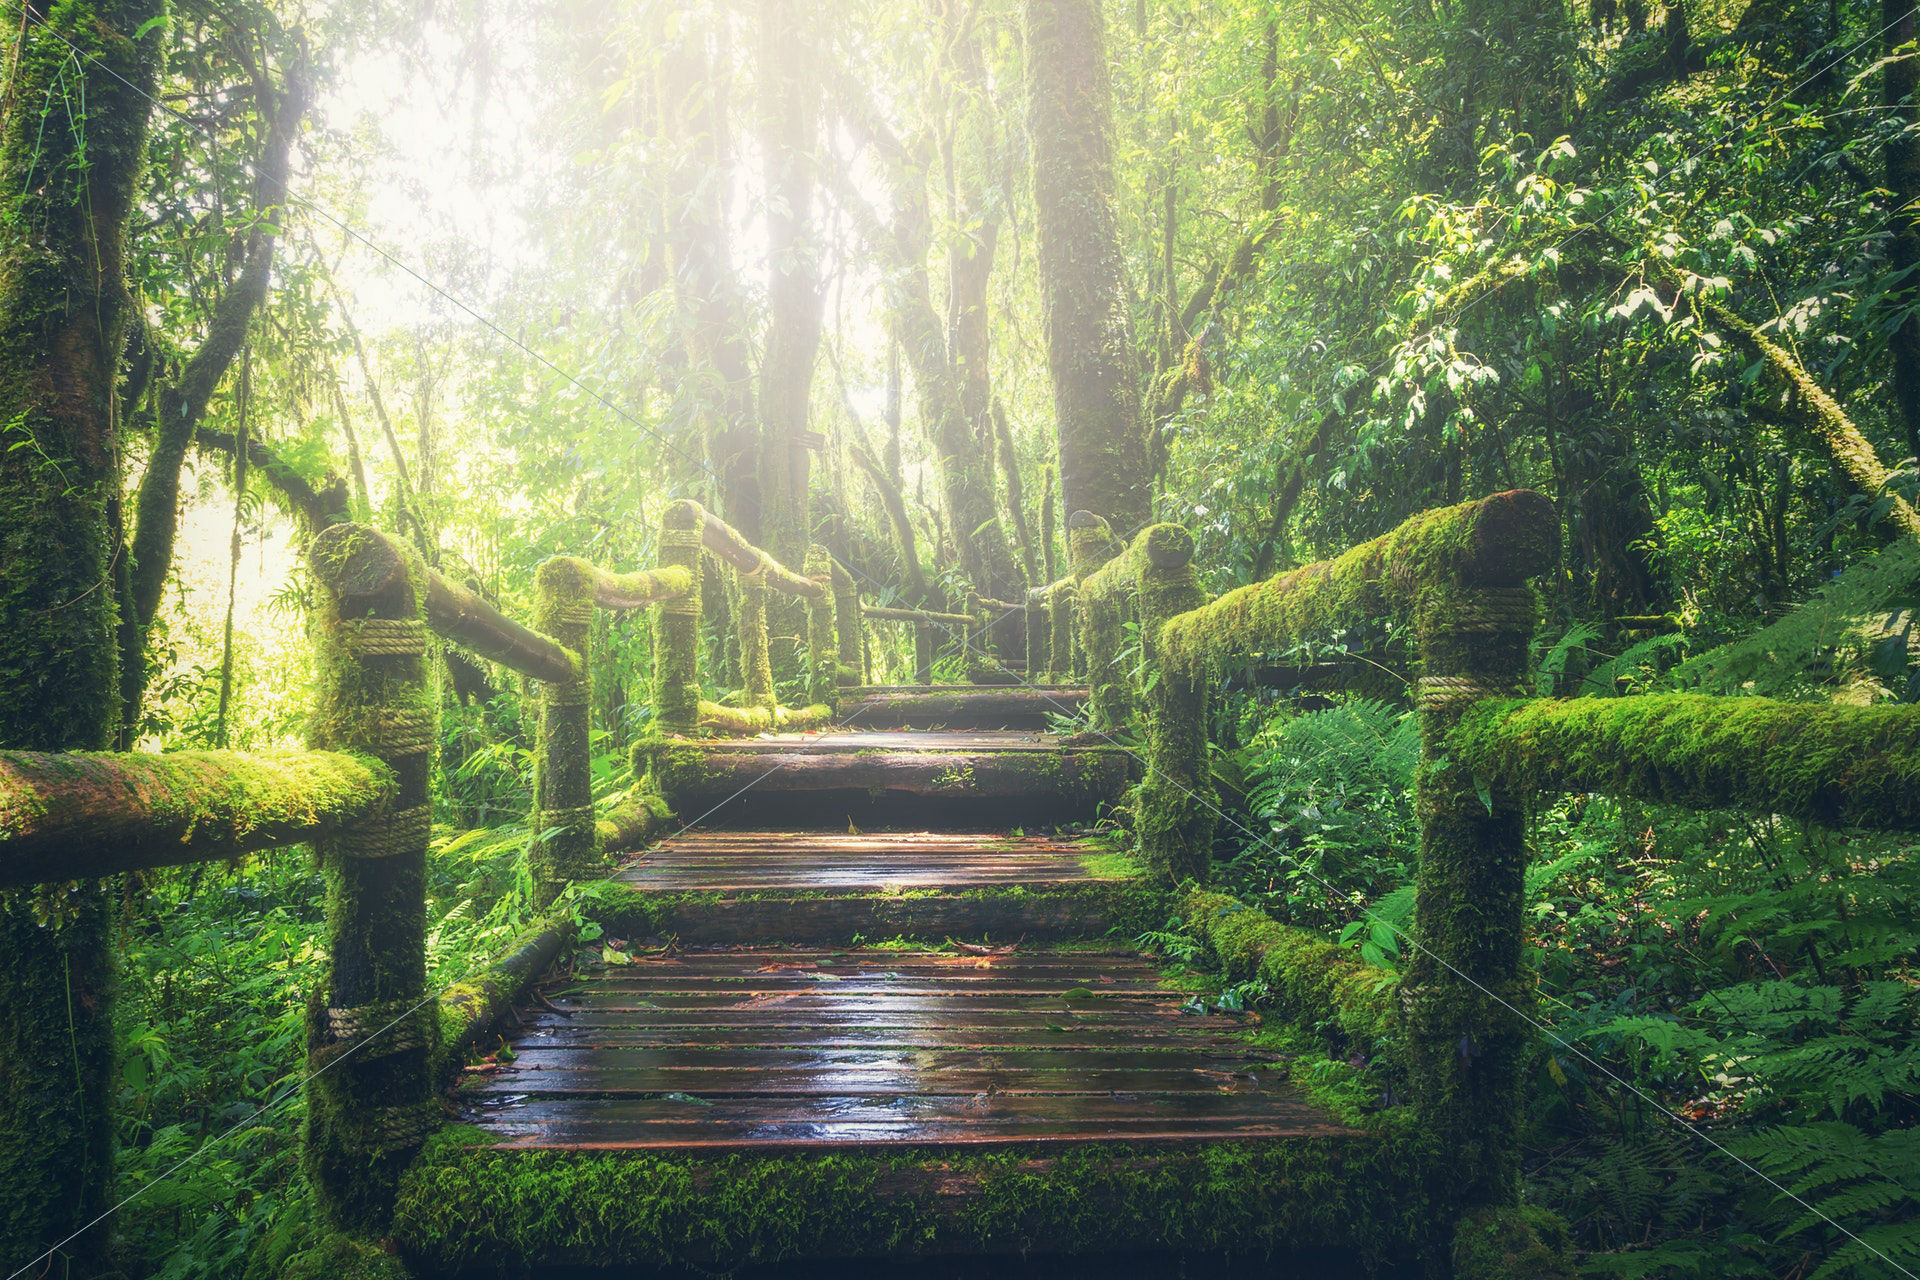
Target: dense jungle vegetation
504,276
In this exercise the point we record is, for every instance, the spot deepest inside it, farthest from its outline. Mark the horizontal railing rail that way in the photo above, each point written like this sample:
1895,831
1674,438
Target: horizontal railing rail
90,814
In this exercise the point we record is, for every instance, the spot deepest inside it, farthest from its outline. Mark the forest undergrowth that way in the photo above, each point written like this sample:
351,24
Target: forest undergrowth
1728,1070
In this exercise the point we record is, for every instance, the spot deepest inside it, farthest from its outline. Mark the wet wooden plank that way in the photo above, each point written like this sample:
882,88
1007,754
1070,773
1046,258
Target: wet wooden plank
955,1001
825,1123
743,1082
793,1011
904,983
1092,1036
1040,914
602,1059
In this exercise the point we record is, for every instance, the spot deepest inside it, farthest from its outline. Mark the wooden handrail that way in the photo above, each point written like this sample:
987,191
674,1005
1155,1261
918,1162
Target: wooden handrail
731,546
357,560
924,616
89,814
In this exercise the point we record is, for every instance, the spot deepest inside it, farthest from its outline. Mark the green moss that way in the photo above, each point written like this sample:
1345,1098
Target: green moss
1123,908
465,1206
632,820
1325,987
1847,766
341,1257
1517,1242
748,720
1408,573
564,847
112,811
823,645
676,636
367,1109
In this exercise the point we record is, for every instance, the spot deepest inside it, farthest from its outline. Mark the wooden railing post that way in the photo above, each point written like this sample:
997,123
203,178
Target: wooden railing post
1464,993
372,1027
756,663
1091,543
823,647
923,653
847,626
676,632
1176,810
563,829
1038,626
1061,608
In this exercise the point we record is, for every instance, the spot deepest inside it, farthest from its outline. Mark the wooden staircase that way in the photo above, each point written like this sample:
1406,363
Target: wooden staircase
865,1041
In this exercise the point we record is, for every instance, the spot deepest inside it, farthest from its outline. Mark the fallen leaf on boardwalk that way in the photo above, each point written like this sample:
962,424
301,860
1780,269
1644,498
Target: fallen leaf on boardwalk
826,977
685,1097
1076,994
975,949
765,999
783,966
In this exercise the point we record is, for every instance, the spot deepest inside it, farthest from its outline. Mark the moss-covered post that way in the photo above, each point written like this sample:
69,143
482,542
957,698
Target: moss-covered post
1175,810
563,839
823,647
847,626
756,666
923,653
1061,608
676,629
1090,544
371,1028
1109,698
1038,625
1465,995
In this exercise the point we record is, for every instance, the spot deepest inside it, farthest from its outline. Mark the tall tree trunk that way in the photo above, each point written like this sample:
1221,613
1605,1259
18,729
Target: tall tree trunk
1090,344
720,375
789,135
63,315
1903,184
183,403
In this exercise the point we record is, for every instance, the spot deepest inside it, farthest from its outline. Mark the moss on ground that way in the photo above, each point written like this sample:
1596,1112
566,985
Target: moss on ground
467,1206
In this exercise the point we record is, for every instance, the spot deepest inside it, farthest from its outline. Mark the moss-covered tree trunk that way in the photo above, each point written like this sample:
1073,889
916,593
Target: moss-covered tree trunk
1090,346
70,163
1903,182
183,401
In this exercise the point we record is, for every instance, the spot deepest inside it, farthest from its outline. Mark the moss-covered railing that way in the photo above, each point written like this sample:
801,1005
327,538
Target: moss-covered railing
688,534
1457,580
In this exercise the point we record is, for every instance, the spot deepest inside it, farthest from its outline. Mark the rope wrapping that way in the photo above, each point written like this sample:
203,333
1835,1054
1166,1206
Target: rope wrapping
567,819
403,831
1446,693
573,615
402,731
379,1030
405,1125
1493,609
567,693
384,637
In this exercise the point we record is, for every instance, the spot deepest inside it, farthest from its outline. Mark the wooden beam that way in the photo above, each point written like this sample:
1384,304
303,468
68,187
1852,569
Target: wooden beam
89,814
356,561
727,542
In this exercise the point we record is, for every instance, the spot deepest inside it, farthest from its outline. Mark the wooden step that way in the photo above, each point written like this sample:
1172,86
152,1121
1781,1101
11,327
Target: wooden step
788,1080
952,779
732,887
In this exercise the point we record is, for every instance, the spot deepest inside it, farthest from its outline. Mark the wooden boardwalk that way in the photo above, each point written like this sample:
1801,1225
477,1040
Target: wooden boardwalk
798,1048
751,1034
